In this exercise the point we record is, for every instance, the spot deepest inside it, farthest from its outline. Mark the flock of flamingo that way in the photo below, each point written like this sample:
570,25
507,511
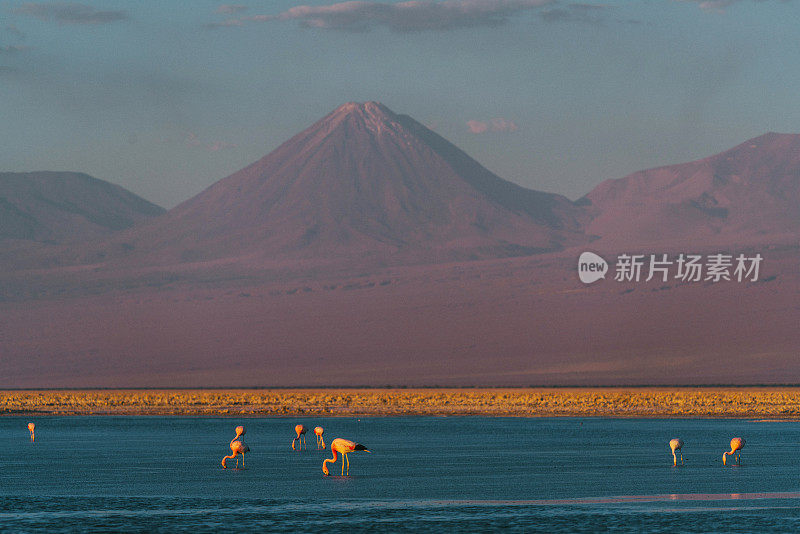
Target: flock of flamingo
737,444
338,446
345,446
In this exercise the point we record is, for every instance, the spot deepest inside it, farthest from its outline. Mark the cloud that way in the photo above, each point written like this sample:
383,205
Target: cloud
219,145
590,13
717,5
224,24
503,125
477,127
230,9
15,32
192,141
11,49
5,70
408,16
493,125
68,13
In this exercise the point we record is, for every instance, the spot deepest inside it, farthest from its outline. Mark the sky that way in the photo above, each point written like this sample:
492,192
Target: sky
166,98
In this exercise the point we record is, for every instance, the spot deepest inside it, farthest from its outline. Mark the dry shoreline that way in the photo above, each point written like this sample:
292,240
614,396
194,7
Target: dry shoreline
735,402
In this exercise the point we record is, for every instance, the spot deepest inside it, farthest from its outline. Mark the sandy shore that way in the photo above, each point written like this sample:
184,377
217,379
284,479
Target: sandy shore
745,402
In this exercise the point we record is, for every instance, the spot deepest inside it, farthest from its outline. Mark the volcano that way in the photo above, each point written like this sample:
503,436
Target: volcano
365,183
749,194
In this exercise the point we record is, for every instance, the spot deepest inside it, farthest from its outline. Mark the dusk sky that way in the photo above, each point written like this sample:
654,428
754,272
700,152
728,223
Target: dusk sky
165,98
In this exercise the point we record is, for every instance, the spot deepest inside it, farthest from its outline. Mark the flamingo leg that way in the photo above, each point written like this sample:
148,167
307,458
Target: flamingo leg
242,460
343,457
681,457
348,464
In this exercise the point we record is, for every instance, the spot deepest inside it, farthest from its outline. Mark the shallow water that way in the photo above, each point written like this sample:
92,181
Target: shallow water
423,474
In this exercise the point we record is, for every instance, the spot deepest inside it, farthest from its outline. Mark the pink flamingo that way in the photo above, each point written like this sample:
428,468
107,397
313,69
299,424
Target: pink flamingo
301,436
237,447
31,427
320,442
676,444
737,444
342,446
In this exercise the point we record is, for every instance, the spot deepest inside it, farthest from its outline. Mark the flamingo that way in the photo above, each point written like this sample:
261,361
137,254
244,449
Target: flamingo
737,444
301,436
676,444
320,442
31,427
343,446
237,447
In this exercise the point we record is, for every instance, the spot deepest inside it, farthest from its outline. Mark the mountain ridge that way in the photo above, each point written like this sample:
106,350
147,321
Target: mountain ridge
750,192
66,207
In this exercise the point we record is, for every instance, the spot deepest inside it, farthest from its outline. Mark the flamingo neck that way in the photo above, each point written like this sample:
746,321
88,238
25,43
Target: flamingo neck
326,460
230,457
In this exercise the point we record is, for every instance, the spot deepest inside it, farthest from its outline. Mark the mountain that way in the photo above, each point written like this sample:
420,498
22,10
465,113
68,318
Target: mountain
362,184
66,207
748,194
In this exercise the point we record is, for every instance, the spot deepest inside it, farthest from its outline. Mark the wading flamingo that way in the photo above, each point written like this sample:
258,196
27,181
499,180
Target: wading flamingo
301,436
676,444
237,447
737,444
320,442
342,446
31,427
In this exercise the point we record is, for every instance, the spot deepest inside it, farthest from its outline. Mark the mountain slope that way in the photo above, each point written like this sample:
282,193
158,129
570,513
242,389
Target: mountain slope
750,193
361,183
66,207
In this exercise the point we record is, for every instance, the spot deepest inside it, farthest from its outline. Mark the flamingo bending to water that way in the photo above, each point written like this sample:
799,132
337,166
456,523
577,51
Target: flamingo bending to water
676,444
737,444
31,427
301,436
342,446
320,442
237,447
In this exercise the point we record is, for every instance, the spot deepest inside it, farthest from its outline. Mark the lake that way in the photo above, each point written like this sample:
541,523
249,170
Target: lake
422,474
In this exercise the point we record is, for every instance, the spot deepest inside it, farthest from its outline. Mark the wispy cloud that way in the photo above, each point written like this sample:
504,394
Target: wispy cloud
493,125
193,141
69,13
589,13
224,24
477,127
409,16
230,9
11,49
5,70
219,145
14,32
720,5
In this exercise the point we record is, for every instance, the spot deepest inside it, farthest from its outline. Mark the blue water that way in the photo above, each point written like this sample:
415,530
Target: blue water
143,474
